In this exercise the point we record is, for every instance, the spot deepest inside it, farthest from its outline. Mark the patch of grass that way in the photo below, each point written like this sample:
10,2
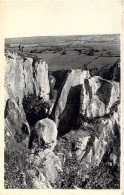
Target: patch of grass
104,176
15,163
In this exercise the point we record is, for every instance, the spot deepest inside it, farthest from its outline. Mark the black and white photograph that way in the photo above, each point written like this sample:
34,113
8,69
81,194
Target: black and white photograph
62,112
62,115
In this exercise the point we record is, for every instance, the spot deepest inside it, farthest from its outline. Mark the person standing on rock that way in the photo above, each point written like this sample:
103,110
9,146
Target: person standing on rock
19,47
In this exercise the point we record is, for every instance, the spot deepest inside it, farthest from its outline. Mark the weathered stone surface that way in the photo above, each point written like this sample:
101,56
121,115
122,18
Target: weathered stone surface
44,134
52,168
38,180
94,142
25,75
105,132
52,82
74,78
83,95
16,127
78,99
80,143
110,73
115,70
98,96
49,164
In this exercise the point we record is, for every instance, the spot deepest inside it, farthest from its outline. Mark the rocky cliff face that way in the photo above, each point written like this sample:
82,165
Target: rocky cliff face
108,73
86,96
92,153
26,95
70,87
98,96
17,130
62,129
25,75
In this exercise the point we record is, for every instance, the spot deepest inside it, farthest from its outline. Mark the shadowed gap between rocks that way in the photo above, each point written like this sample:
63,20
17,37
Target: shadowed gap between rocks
60,76
69,117
59,86
35,109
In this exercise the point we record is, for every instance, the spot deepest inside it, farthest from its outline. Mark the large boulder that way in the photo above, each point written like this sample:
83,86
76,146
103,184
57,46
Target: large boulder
44,135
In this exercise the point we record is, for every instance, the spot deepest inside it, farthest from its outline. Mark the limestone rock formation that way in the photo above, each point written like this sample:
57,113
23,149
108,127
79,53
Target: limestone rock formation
74,78
107,72
44,135
38,180
95,142
16,126
86,96
83,112
111,73
106,129
25,75
115,70
48,164
42,142
52,82
79,143
98,96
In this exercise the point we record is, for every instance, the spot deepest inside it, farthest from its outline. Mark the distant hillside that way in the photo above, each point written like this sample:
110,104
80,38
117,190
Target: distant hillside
53,39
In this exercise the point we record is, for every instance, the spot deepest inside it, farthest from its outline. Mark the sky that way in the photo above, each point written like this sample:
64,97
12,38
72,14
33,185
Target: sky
46,18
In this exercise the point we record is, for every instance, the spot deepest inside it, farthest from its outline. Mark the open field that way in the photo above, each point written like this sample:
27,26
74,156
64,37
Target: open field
71,51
